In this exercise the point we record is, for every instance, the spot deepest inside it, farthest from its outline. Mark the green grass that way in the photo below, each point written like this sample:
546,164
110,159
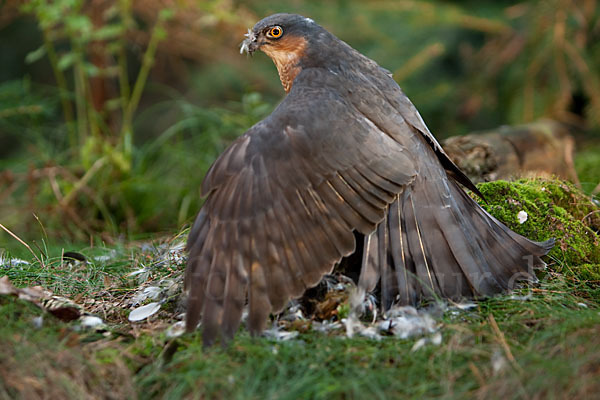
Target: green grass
554,340
544,343
52,361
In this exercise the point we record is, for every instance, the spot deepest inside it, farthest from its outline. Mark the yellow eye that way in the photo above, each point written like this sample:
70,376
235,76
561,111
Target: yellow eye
275,32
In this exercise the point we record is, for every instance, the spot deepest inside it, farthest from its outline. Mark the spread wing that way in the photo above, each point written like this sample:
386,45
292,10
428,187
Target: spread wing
282,203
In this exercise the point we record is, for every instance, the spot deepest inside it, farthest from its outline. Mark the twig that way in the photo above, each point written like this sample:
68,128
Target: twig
125,13
41,226
588,214
158,34
54,185
83,181
8,112
547,291
503,342
6,193
477,373
63,87
24,244
42,252
417,61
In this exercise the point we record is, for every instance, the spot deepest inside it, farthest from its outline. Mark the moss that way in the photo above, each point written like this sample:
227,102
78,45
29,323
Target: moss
554,209
589,272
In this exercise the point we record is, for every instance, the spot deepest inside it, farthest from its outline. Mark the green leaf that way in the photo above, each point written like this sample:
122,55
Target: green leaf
113,104
79,25
35,55
66,61
165,14
113,47
90,69
108,32
89,151
161,33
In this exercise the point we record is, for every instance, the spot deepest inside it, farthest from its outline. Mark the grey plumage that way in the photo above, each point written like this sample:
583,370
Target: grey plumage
345,151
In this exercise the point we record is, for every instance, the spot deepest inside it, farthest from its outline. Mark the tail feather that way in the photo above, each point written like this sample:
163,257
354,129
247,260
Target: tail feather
451,216
437,241
417,245
388,278
405,282
369,273
451,279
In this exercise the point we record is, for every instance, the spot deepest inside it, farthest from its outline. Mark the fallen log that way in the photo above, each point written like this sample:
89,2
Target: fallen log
543,148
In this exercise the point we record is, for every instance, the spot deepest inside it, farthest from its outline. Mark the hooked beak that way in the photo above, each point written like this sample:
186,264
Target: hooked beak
250,44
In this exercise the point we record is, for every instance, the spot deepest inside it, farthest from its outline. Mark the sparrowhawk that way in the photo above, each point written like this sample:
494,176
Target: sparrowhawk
344,151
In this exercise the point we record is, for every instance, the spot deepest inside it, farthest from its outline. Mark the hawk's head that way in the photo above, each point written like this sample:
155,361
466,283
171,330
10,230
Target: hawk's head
288,39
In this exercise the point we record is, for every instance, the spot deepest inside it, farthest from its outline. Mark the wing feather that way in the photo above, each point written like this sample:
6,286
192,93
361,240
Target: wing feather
371,194
353,219
283,202
260,305
371,213
336,233
215,290
235,295
369,272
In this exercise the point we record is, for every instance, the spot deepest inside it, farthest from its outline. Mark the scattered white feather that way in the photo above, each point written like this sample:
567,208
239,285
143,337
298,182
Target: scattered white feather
103,259
326,326
406,322
418,344
37,321
278,334
143,312
352,323
522,217
498,362
520,298
175,330
150,292
90,321
370,332
435,339
292,313
465,306
137,272
12,262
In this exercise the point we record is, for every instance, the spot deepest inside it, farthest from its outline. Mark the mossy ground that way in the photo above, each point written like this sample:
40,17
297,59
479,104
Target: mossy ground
542,343
555,209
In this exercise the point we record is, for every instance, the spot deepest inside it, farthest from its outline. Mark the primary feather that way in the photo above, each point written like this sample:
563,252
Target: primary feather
345,151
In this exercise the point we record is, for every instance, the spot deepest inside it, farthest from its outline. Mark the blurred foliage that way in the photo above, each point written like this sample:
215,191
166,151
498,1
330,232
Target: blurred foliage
112,115
161,190
587,163
544,62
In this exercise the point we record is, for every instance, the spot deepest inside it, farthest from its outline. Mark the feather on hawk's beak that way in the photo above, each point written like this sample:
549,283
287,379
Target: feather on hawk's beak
250,44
